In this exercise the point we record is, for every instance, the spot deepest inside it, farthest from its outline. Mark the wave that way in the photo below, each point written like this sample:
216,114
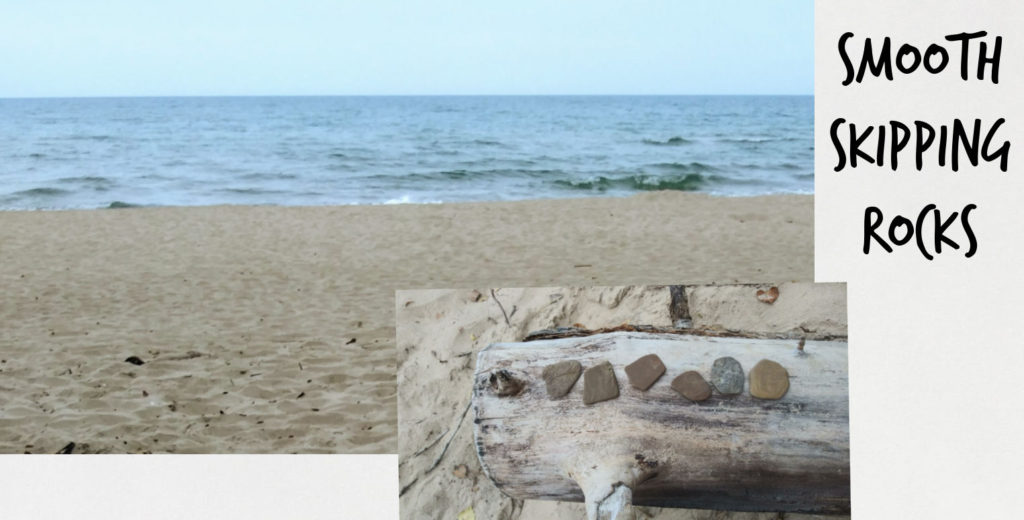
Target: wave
481,164
486,142
41,192
692,176
91,180
157,177
671,141
268,176
463,174
758,140
688,182
745,140
45,157
683,168
734,181
436,148
406,199
117,204
357,153
784,166
79,137
251,191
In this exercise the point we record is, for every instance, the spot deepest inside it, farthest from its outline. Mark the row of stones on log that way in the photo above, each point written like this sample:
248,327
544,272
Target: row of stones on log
768,379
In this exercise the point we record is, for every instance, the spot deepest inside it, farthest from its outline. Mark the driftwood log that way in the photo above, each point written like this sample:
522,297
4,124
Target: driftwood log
656,448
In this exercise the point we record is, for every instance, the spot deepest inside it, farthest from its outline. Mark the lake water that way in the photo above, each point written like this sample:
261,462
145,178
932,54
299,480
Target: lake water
99,152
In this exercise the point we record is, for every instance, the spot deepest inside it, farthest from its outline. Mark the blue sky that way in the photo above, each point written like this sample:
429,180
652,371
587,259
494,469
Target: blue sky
306,47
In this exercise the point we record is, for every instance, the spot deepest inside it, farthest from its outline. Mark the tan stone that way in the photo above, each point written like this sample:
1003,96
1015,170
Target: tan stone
645,371
560,377
599,383
692,386
768,380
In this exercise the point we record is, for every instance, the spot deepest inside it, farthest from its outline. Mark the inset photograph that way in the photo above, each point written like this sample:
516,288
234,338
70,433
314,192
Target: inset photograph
669,402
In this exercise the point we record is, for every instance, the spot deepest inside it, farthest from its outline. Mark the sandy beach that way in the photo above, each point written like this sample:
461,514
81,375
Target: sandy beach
271,329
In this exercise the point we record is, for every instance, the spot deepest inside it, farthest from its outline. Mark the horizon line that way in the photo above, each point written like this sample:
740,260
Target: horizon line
156,96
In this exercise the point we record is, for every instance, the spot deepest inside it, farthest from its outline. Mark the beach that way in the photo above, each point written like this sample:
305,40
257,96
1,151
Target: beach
264,329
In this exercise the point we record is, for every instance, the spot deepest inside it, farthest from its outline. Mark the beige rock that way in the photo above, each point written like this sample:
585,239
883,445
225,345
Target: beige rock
599,383
768,380
560,377
692,386
645,371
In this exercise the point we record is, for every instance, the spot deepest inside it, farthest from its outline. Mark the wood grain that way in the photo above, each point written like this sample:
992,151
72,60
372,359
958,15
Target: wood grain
728,453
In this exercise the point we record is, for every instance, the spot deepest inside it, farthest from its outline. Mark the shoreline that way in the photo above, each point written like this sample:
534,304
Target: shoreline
270,329
121,205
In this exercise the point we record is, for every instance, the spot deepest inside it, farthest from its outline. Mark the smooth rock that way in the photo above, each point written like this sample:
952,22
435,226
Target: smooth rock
692,386
768,380
645,371
559,377
599,383
727,376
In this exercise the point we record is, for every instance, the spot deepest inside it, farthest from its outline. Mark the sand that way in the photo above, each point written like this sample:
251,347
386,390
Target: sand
440,333
271,329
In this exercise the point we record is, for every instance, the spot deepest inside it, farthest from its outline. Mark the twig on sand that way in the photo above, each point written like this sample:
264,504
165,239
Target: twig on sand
407,486
500,306
450,438
430,445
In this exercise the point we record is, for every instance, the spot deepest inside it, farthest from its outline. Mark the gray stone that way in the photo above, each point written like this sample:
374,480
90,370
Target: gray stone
727,376
645,371
692,386
599,383
559,377
768,380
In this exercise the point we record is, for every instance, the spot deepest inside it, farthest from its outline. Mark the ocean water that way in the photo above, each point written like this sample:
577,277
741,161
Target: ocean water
114,152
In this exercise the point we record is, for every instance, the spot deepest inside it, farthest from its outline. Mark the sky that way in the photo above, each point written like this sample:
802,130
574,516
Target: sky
71,48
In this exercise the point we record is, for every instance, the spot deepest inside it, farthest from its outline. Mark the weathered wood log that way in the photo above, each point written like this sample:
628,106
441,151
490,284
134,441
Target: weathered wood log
657,448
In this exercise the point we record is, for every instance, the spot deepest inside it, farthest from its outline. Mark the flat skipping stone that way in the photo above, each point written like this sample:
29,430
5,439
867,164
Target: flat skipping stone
559,377
692,386
599,383
768,380
645,371
727,376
